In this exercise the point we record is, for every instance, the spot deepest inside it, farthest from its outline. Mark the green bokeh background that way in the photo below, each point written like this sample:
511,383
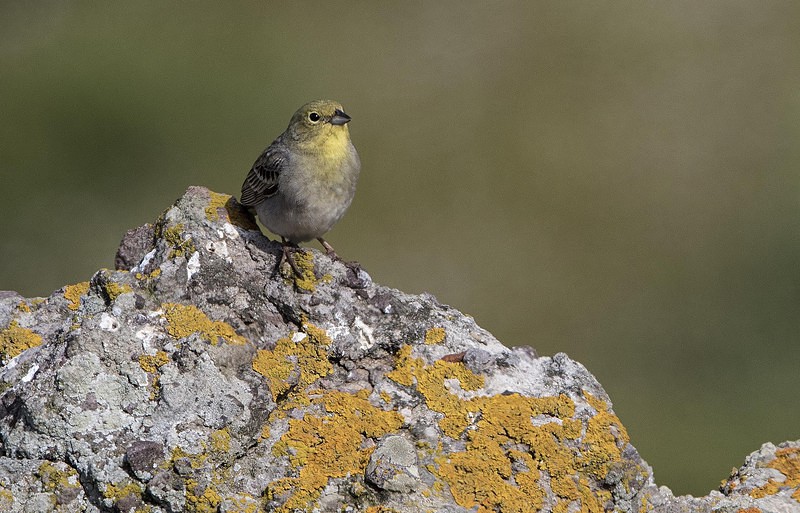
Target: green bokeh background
617,181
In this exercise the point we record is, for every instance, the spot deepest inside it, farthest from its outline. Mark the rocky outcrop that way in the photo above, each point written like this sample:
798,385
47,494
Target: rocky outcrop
202,376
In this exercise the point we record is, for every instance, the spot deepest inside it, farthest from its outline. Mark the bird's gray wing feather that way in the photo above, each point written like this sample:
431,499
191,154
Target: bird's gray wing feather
262,180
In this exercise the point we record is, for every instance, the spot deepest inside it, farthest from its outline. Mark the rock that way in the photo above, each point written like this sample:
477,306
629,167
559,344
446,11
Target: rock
393,465
200,376
143,458
134,246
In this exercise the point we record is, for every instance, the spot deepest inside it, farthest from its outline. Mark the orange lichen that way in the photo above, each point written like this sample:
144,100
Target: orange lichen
242,504
481,476
173,236
328,446
202,495
73,293
114,290
151,364
430,381
15,339
322,446
303,355
787,462
435,336
604,434
117,492
201,499
237,215
155,274
307,281
306,358
185,320
216,202
220,440
404,367
58,477
6,499
494,473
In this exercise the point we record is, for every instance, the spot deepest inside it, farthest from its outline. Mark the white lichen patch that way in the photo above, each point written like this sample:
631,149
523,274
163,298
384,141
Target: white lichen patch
146,260
229,231
11,363
541,420
31,373
190,440
193,265
108,322
219,248
147,335
74,378
365,338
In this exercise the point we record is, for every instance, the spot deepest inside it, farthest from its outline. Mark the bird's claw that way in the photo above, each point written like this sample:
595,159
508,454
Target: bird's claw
288,255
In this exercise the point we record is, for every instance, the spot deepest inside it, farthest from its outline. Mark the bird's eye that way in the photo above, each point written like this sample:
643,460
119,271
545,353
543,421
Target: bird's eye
313,117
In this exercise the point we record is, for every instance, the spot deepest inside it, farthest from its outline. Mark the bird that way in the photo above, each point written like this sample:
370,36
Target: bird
304,181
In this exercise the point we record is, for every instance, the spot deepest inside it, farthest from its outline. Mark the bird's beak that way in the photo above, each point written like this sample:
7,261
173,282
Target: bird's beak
339,118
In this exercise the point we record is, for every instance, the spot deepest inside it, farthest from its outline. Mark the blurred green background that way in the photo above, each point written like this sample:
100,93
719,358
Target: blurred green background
617,181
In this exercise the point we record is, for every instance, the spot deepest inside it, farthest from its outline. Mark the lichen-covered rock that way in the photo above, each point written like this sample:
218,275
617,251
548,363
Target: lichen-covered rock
393,465
200,376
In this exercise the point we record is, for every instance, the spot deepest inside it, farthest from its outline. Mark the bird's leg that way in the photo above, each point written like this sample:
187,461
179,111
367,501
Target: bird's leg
288,250
354,266
328,249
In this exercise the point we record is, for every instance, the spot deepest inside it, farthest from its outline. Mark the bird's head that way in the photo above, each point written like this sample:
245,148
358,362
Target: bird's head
318,118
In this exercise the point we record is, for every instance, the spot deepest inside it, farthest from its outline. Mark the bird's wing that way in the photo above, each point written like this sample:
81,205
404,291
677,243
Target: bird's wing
262,180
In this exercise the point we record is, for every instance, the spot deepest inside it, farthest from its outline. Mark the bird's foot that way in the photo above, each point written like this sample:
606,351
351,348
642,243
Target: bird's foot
289,249
354,266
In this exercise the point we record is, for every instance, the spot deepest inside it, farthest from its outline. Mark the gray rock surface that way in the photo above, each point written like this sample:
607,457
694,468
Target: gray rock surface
200,376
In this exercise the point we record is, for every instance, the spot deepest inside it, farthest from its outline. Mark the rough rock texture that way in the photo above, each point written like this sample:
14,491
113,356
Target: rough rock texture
201,377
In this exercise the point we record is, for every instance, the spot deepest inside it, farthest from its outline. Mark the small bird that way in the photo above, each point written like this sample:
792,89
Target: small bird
302,184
